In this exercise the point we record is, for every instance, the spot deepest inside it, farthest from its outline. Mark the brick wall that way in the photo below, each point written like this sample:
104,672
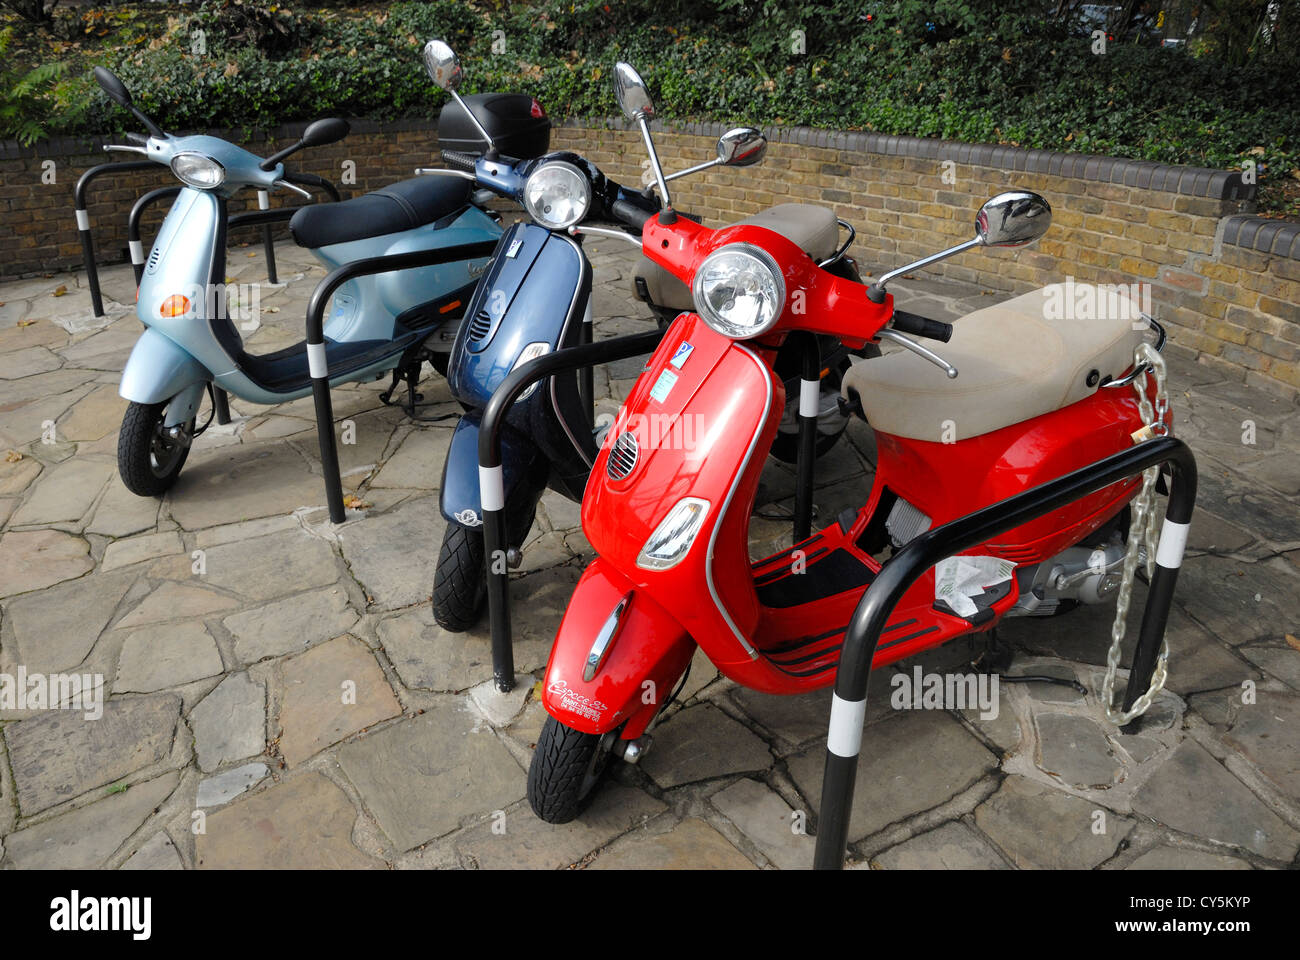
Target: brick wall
1225,283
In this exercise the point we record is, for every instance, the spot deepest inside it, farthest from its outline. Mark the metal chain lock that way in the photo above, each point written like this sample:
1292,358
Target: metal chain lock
1143,535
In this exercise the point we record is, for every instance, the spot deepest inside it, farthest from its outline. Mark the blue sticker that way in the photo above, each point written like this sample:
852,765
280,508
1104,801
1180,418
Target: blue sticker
683,353
663,386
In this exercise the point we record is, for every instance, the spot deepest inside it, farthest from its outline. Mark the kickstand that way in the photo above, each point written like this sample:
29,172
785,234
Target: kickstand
996,657
409,373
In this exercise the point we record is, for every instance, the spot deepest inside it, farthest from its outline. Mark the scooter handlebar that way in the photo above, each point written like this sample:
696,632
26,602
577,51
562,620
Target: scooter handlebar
460,161
905,322
630,214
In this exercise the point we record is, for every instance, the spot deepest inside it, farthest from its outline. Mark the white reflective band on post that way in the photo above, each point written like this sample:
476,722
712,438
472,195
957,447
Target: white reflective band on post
586,314
492,488
1173,540
137,251
844,738
316,363
810,393
263,200
83,220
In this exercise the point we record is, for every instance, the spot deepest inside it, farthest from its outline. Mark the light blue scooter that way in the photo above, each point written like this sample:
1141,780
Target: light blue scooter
379,323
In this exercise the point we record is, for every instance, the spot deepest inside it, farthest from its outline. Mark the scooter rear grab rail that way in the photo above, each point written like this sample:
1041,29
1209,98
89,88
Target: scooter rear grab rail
492,483
317,361
848,704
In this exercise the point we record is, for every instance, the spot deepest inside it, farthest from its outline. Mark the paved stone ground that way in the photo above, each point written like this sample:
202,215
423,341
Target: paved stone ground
280,697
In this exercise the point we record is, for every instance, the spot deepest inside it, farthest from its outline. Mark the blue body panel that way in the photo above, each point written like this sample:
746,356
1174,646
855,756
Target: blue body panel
522,462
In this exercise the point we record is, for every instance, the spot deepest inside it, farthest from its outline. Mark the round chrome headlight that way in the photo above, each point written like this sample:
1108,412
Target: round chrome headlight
557,195
739,291
196,170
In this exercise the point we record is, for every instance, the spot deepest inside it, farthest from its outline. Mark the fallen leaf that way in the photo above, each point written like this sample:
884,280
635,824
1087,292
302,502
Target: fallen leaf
356,503
25,323
13,456
1292,642
60,291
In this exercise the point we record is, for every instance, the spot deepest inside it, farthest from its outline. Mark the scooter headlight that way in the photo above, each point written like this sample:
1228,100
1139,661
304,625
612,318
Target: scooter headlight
739,291
557,195
674,536
196,170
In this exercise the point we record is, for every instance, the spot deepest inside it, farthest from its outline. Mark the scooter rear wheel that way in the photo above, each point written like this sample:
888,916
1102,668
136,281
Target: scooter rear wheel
566,768
147,460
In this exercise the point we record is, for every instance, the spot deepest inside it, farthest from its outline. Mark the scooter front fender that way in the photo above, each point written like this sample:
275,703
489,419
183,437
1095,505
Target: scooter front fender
522,462
646,655
158,370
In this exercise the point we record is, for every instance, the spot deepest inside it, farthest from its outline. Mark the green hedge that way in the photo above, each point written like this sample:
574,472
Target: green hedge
976,71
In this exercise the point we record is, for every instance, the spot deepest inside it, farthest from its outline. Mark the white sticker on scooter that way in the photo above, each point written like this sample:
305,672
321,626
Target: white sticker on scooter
663,386
682,355
514,249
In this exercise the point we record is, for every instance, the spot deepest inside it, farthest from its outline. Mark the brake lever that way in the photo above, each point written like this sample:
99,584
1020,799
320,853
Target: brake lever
291,186
444,172
128,149
925,353
573,231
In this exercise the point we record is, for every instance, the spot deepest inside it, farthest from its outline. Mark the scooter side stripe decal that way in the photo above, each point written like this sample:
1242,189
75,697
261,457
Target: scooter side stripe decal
137,251
83,220
810,392
492,488
317,365
1173,541
844,736
740,473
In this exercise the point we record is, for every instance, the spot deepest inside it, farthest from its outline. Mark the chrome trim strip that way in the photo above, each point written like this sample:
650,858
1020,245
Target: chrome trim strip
568,318
722,513
839,254
605,638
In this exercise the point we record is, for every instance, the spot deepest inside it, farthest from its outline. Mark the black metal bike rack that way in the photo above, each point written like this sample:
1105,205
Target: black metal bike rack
809,407
316,357
83,220
848,705
491,480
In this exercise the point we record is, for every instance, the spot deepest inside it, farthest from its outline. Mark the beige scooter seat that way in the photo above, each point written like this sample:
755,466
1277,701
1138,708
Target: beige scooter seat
813,228
1014,362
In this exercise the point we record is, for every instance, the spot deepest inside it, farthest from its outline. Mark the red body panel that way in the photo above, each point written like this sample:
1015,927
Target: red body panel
650,646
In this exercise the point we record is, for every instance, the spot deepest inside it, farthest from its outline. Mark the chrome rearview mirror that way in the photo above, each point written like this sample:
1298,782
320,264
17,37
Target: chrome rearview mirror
741,147
443,65
444,70
736,148
1012,219
633,97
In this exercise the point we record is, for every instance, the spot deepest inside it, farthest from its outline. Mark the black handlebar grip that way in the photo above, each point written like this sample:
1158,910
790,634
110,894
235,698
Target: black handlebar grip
630,214
905,322
461,161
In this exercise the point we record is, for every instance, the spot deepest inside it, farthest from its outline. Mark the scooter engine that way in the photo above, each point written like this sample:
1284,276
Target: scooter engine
1077,575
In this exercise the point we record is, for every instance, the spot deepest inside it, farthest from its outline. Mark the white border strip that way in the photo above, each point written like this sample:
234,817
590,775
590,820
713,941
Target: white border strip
1173,541
844,737
492,487
317,365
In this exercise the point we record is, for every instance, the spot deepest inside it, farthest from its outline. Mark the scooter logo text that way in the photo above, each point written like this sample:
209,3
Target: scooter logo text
576,702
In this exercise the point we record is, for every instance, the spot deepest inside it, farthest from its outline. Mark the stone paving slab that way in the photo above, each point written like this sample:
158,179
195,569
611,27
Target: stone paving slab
250,620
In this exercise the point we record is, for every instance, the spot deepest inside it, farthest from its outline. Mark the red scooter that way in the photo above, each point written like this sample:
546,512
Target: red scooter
668,505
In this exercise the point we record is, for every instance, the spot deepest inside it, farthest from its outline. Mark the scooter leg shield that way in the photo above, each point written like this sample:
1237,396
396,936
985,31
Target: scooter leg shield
645,652
158,369
521,462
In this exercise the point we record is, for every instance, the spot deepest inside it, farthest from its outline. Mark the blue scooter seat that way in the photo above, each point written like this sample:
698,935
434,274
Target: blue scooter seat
400,206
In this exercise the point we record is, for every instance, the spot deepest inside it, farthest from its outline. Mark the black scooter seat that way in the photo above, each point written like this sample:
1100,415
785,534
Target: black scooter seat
400,206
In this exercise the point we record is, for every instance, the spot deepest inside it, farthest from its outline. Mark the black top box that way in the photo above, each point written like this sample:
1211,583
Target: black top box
516,122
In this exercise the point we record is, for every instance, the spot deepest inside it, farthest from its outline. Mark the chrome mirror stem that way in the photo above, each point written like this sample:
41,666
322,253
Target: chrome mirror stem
654,163
695,169
492,147
925,262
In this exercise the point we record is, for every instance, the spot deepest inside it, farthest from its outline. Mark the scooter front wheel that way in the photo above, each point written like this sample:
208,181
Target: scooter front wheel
147,459
459,585
566,768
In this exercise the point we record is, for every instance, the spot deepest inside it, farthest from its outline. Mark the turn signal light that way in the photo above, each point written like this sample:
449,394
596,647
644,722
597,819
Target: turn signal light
175,306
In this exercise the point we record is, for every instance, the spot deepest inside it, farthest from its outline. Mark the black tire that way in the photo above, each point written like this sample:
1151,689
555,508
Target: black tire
459,586
147,461
566,768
